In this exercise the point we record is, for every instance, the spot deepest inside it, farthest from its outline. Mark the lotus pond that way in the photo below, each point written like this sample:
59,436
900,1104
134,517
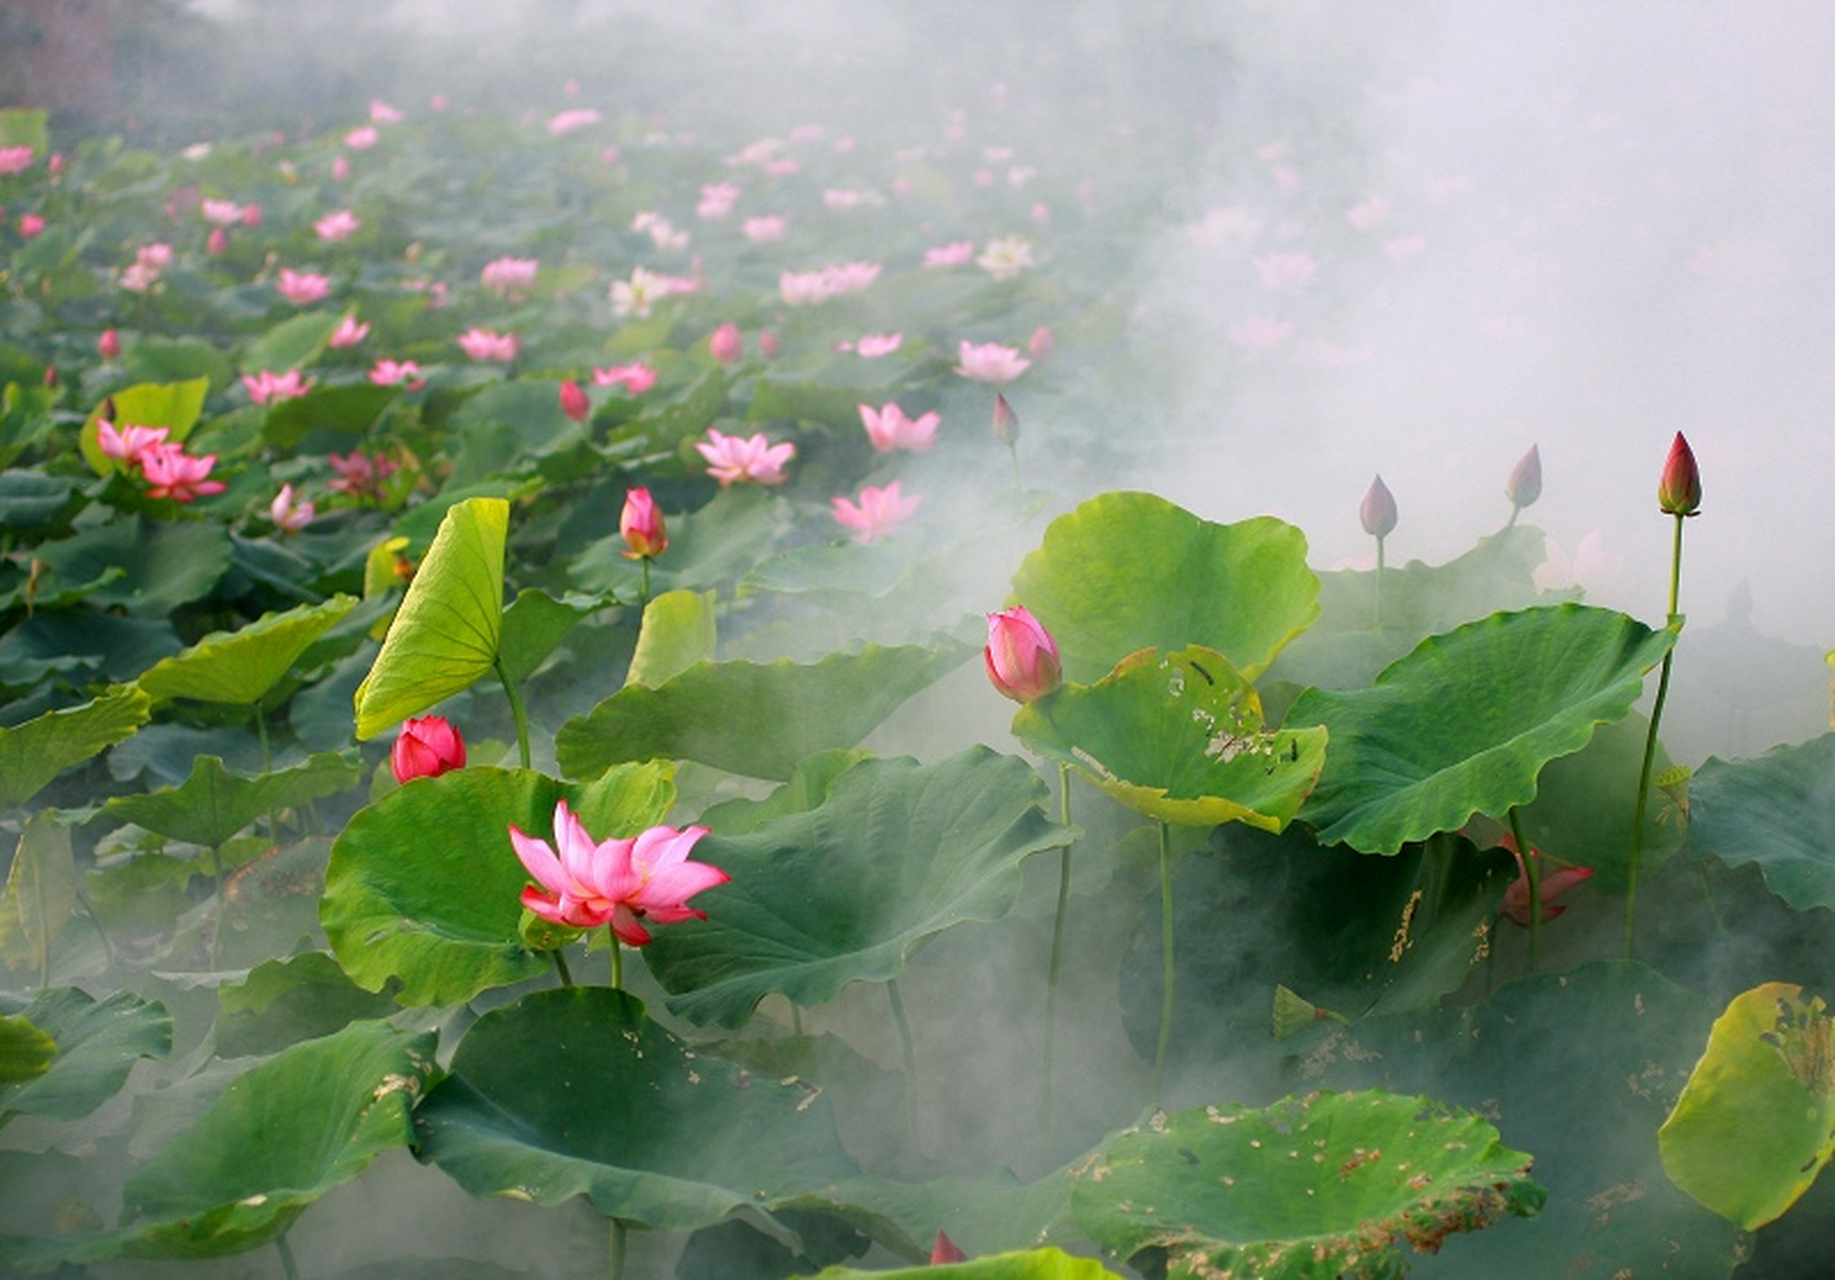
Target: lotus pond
633,733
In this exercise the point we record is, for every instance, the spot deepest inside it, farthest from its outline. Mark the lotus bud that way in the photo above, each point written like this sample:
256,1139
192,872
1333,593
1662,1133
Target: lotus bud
426,748
1378,510
1679,491
1021,656
217,243
251,215
642,526
1042,343
1006,422
1525,483
108,345
726,345
574,402
945,1251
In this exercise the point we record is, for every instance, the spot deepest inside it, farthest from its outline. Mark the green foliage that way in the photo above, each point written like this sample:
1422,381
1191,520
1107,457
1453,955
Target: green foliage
38,750
98,1042
25,1051
1032,1264
1776,811
173,405
215,803
241,667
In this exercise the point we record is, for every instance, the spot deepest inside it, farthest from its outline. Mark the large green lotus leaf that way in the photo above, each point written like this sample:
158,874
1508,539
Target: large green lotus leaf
240,667
445,635
1583,805
984,1213
1313,1187
1179,737
215,803
282,1135
1131,571
161,566
350,410
294,343
97,1045
42,890
282,1002
424,887
37,751
897,851
575,1091
1424,599
173,405
1776,810
1031,1264
678,631
534,623
1756,1121
1464,724
756,718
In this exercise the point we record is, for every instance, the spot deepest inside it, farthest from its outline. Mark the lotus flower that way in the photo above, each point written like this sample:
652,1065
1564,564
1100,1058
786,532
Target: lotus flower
889,428
128,444
874,345
361,138
1378,512
173,473
15,159
30,224
334,227
733,458
624,883
1679,491
636,377
877,514
1515,904
108,344
1006,258
359,474
990,362
302,288
1021,656
349,333
716,200
397,373
957,254
505,276
488,344
726,345
1525,483
288,513
945,1251
266,387
764,228
574,402
641,524
425,748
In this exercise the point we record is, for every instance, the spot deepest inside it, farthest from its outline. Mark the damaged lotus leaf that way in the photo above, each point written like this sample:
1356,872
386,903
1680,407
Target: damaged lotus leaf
1314,1187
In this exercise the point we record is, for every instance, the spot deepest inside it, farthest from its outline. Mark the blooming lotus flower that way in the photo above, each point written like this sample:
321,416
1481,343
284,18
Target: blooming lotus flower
362,138
950,255
173,473
30,224
221,213
128,444
154,257
1021,656
765,228
265,387
302,288
289,514
397,373
488,344
138,278
877,514
716,200
889,428
874,345
341,225
1525,483
383,113
753,458
623,883
15,159
636,377
1378,512
505,276
359,474
572,121
726,346
1006,258
574,402
1679,490
641,525
1553,884
990,362
349,333
662,232
108,345
635,297
425,748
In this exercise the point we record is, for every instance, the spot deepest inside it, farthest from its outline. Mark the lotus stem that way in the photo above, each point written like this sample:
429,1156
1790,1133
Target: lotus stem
1533,876
1376,623
615,1263
1013,449
1159,1054
644,592
287,1264
1057,941
908,1048
617,960
560,967
796,1018
516,709
1650,744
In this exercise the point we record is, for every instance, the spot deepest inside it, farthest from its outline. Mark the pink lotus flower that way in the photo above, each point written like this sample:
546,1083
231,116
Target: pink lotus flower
15,159
288,513
726,345
636,296
623,883
1553,884
130,444
574,402
764,229
397,373
383,113
488,344
426,747
889,428
733,458
341,225
349,333
108,344
806,288
30,224
1006,258
302,288
359,474
717,200
957,254
265,387
636,377
1042,343
572,121
990,362
340,168
154,257
173,473
1022,658
877,514
221,213
251,216
362,138
505,276
216,244
642,527
138,278
1679,488
874,345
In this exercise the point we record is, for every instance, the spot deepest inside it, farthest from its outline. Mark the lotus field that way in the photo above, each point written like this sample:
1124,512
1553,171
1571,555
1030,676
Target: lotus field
629,731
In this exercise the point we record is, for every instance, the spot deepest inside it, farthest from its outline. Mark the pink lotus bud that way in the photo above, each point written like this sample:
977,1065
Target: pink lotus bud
426,748
56,162
768,345
1378,510
108,345
30,224
50,375
1042,343
217,243
641,524
726,345
1679,491
1006,422
1022,657
944,1251
574,402
251,215
1525,483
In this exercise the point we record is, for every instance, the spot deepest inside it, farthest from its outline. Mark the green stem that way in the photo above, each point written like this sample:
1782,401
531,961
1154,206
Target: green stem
1533,875
286,1257
644,598
1057,941
560,967
1377,623
1159,1054
615,1265
908,1049
796,1019
1707,893
1013,449
516,709
1650,745
617,960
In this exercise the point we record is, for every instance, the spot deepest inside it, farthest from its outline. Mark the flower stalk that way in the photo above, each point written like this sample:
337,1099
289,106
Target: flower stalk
1166,969
1057,943
1532,876
516,710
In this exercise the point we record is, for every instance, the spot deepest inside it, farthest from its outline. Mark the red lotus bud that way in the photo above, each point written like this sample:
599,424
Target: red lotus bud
945,1251
1021,656
642,526
426,748
1679,491
1006,422
726,345
1525,483
1378,510
108,345
574,402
